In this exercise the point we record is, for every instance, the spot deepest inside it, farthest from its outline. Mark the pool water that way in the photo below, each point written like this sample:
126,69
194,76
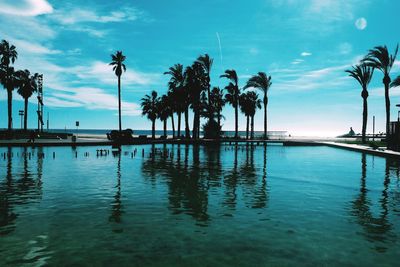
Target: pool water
198,206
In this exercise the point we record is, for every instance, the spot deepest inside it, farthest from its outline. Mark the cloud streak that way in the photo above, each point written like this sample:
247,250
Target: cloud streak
28,8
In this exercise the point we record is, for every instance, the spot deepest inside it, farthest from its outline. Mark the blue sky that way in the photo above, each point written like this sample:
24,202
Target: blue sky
305,45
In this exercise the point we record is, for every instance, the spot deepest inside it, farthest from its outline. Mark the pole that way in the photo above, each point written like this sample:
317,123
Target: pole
373,128
48,118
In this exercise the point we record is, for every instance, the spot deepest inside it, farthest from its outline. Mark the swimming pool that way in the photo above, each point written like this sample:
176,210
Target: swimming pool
198,205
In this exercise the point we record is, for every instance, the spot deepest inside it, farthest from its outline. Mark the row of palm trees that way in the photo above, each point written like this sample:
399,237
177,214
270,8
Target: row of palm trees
377,58
190,89
11,79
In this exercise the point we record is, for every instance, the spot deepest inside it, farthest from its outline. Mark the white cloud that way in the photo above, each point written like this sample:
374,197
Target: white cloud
297,61
102,72
73,16
345,48
361,23
306,54
30,47
27,8
91,98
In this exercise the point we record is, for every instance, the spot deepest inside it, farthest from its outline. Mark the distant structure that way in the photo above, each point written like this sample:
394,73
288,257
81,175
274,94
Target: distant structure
393,136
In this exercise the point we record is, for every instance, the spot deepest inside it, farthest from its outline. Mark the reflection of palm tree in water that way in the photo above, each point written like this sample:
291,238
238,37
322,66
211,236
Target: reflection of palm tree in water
7,216
376,229
116,205
231,182
16,192
261,194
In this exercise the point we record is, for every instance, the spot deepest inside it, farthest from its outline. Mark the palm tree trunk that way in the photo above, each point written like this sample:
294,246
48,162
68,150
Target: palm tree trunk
365,117
247,127
173,125
26,114
252,127
119,102
187,130
265,116
165,128
219,120
179,124
9,102
153,129
386,81
236,121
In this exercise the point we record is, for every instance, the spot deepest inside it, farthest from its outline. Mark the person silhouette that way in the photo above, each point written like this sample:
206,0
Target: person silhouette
351,132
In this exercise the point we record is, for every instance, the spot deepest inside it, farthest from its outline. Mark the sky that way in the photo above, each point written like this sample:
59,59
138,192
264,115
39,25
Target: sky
305,45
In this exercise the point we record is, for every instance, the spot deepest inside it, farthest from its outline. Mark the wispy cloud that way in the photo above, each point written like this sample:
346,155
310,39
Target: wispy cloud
27,8
78,15
306,54
297,61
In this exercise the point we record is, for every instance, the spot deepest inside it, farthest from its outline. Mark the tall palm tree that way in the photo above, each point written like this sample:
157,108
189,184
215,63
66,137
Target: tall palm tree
218,103
262,82
164,111
232,97
363,74
379,58
206,63
150,109
27,86
244,105
249,103
194,82
117,61
176,90
8,54
171,104
9,79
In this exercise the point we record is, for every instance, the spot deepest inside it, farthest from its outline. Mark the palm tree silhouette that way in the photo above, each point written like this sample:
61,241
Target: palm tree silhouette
379,58
232,97
164,111
249,102
117,60
27,86
194,81
218,101
262,82
8,55
206,63
149,108
176,89
363,74
396,82
9,79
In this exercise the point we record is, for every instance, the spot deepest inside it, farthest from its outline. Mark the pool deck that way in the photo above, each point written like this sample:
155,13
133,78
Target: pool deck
286,142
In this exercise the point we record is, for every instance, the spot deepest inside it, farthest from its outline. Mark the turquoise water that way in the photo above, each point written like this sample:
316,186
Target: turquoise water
200,206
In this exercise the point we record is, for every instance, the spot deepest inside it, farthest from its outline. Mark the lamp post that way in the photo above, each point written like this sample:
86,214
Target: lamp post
21,114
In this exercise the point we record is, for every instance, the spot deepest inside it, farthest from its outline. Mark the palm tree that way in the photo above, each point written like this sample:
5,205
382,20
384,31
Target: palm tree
171,104
249,103
8,54
262,82
379,58
194,82
244,108
363,74
218,103
27,86
117,61
164,111
232,97
149,108
396,82
176,90
206,63
9,79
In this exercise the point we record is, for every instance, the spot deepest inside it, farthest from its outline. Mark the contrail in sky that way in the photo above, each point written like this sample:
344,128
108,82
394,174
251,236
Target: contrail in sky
220,49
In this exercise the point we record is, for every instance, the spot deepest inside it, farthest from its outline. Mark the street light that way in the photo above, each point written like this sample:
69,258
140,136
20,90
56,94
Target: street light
21,114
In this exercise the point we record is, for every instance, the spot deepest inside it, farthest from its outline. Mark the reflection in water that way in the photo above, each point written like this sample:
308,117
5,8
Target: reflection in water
116,205
190,180
377,228
18,189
